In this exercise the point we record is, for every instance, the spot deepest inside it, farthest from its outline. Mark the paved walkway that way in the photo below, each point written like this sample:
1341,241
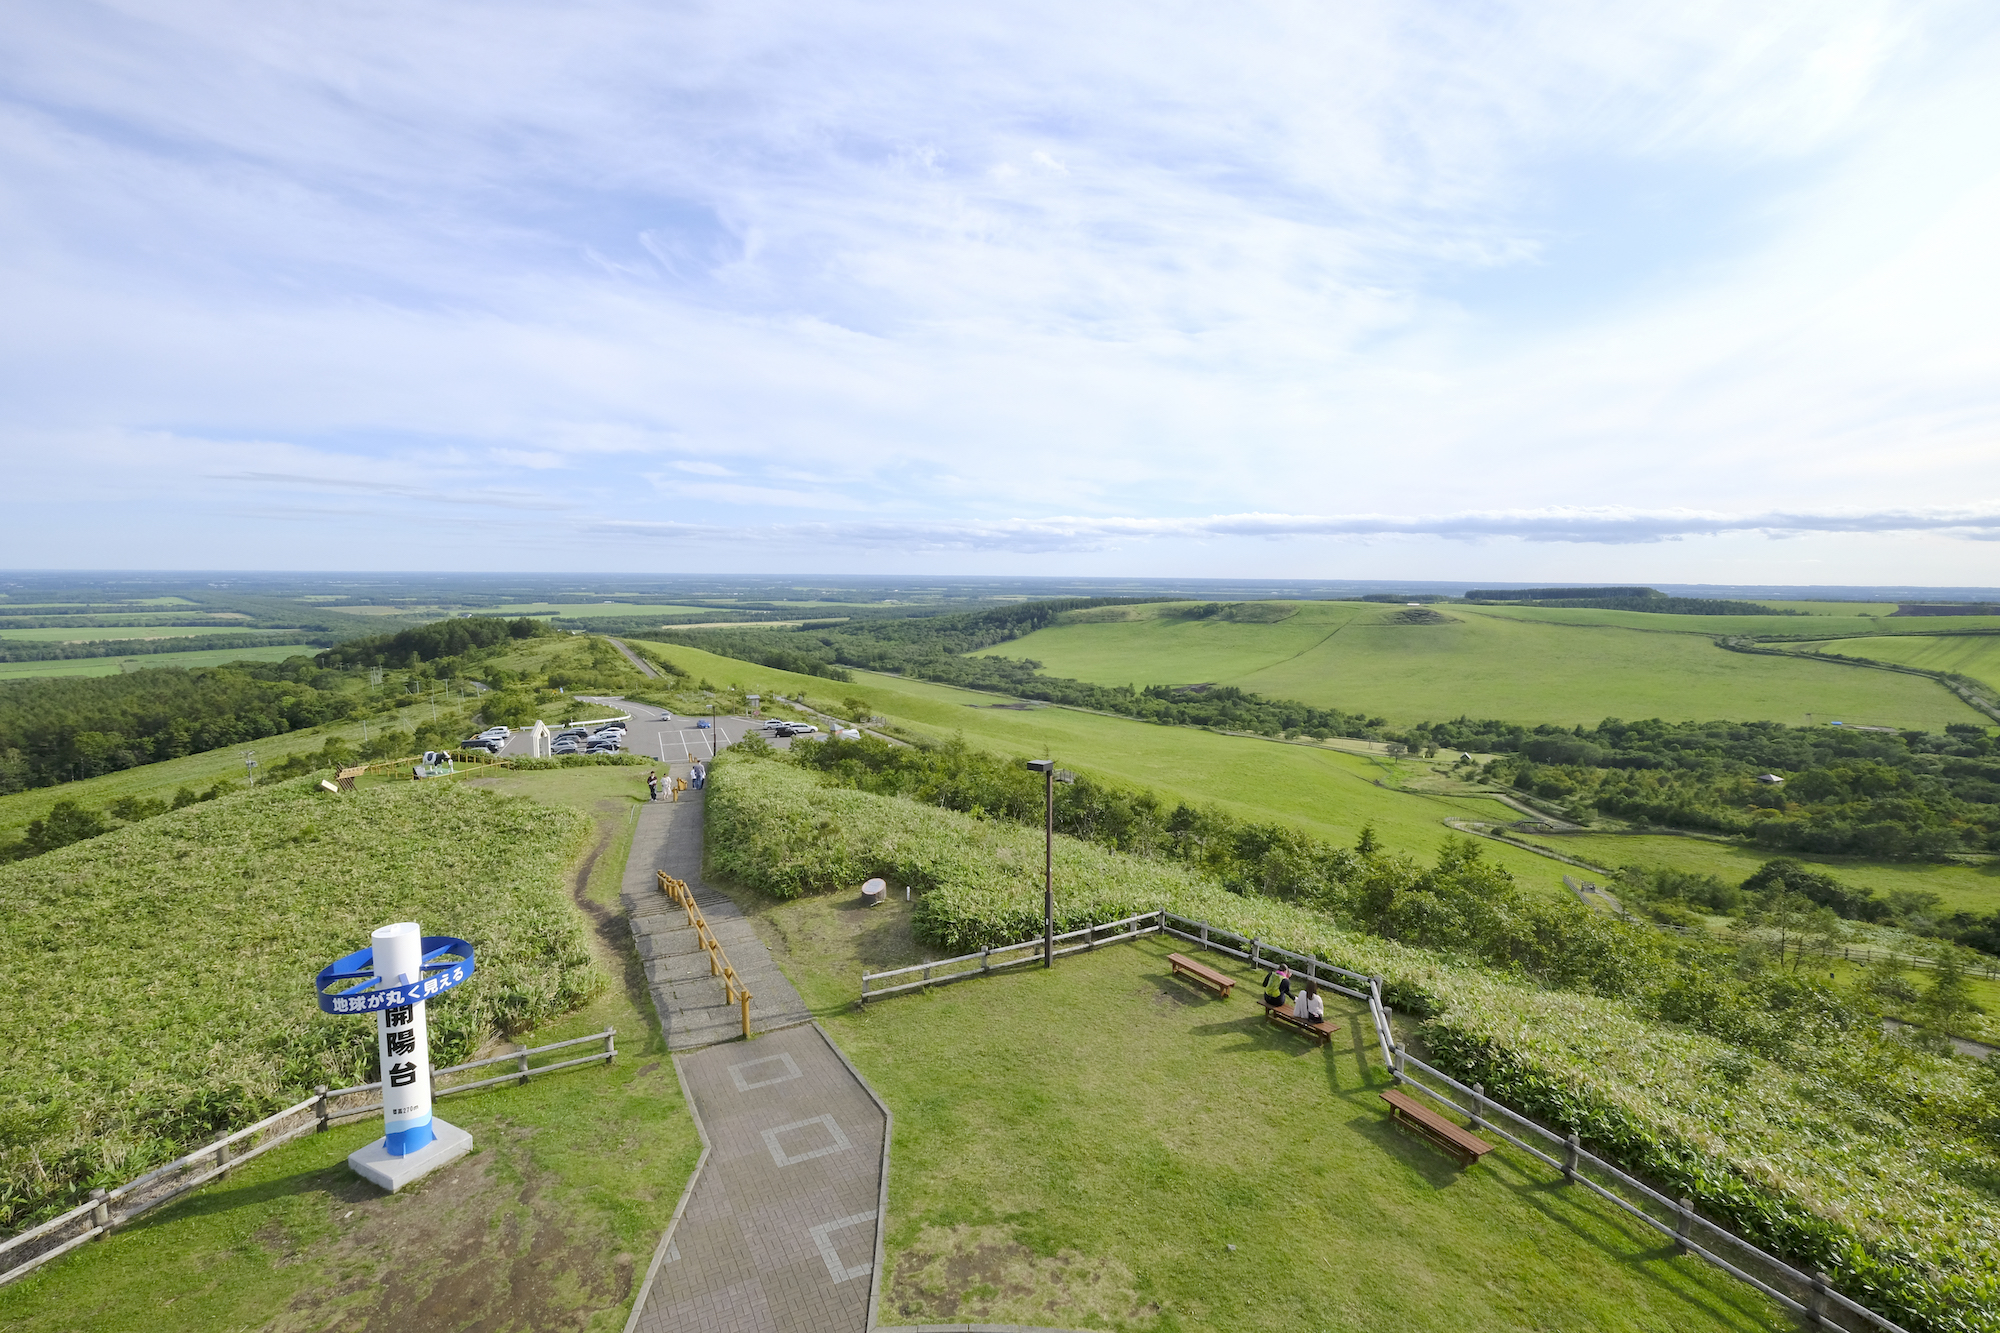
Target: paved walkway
691,1004
781,1230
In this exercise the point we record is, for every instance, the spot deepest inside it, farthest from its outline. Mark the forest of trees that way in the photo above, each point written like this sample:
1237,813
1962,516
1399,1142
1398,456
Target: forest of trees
428,643
67,727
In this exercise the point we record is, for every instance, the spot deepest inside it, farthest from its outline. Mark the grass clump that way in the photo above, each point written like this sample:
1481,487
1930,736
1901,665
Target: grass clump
160,976
1823,1139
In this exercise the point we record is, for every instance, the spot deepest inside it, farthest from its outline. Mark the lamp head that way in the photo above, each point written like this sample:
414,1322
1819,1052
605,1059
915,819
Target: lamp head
1041,765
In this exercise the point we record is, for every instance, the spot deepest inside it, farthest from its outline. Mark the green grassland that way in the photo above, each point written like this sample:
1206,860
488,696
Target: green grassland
1974,655
160,974
1094,1176
94,633
1970,888
547,1225
1326,792
111,666
1844,609
586,610
1520,664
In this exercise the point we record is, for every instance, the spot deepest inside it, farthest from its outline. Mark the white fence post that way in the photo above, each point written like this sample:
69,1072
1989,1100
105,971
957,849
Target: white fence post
1571,1146
1478,1106
320,1110
100,1216
1683,1222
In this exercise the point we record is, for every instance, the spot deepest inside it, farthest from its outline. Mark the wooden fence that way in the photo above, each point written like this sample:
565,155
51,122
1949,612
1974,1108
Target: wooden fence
1808,1295
108,1210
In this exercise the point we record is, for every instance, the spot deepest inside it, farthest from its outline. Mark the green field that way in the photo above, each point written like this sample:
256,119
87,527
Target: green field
1844,609
1521,664
111,666
1974,655
94,633
1970,888
587,610
1325,792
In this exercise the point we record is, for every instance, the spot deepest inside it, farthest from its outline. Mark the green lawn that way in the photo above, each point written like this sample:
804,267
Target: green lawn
95,633
1974,655
1081,1147
549,1224
111,666
1516,663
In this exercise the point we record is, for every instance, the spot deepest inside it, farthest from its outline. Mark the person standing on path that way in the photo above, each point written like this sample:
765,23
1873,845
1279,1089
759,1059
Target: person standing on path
698,777
652,784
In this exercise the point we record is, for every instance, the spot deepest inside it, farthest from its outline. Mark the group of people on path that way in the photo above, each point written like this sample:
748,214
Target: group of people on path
697,778
1306,1006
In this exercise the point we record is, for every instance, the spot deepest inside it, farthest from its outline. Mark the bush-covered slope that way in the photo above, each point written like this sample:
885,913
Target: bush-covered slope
1858,1154
156,982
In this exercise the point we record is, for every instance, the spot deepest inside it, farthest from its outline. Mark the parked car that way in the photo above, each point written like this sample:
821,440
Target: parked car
702,725
804,729
564,747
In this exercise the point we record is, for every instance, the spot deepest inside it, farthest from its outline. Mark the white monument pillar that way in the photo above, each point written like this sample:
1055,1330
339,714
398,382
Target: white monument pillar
414,1142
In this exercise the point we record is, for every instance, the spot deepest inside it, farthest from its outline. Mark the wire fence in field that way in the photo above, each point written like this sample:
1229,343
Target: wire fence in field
110,1209
1806,1294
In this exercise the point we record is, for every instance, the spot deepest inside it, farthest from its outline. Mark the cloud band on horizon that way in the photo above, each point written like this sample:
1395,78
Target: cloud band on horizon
1608,526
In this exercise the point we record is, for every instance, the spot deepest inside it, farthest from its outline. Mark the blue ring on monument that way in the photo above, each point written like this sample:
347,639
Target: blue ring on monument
448,962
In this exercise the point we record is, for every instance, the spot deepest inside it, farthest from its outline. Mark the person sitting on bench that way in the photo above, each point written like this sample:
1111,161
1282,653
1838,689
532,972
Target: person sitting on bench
1277,987
1309,1008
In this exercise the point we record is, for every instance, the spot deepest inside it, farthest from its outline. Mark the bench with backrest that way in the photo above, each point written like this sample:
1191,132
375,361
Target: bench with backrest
1202,973
1463,1144
345,777
1320,1032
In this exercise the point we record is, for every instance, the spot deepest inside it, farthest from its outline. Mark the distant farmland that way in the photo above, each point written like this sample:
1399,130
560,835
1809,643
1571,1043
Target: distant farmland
1520,664
111,666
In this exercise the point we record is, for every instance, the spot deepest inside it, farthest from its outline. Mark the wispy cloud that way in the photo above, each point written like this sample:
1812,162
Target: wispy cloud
1601,526
1569,272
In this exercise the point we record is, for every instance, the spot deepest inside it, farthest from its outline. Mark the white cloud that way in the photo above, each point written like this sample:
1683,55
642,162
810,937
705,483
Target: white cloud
948,268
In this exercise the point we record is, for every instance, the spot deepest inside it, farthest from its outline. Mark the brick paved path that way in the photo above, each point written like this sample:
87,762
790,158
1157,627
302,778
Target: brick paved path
693,1011
781,1230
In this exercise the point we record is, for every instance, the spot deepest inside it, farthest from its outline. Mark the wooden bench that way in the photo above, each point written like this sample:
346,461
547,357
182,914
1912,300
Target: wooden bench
346,777
1207,976
1320,1032
1466,1146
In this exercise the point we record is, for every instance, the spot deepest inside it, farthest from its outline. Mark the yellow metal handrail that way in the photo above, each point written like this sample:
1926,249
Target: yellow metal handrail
718,961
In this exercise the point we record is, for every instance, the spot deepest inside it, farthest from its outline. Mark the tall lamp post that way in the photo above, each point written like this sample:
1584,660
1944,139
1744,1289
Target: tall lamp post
1051,775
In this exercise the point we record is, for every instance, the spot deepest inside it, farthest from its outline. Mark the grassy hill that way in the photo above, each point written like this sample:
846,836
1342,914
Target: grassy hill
1526,664
159,978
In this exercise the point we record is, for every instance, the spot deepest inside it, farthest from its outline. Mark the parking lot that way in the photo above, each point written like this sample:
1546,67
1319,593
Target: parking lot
676,741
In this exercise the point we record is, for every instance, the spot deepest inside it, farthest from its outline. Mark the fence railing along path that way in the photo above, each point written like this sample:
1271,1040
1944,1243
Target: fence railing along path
1802,1293
733,991
110,1209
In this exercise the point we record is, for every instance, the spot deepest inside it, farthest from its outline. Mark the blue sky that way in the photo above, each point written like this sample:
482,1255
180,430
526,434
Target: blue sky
1689,293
